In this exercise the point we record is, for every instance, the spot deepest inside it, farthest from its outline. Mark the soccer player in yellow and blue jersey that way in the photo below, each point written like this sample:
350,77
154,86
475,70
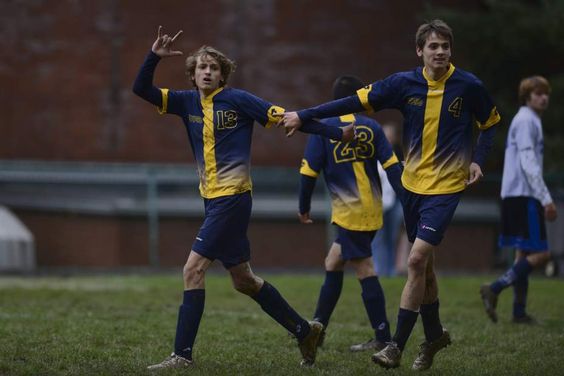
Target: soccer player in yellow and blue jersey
219,121
351,174
440,105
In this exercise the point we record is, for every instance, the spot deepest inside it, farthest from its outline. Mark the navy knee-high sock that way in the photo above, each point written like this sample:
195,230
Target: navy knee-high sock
520,289
406,322
328,296
520,269
431,321
276,307
375,304
189,316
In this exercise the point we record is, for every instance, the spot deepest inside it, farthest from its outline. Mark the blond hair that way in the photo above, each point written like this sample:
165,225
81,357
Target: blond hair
227,66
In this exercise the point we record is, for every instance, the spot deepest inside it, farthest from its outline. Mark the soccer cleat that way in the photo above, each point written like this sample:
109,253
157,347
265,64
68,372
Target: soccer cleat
526,319
388,357
308,346
490,301
427,351
173,361
371,344
321,338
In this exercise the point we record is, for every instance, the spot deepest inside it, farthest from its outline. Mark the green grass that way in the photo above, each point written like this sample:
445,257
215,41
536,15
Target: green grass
117,325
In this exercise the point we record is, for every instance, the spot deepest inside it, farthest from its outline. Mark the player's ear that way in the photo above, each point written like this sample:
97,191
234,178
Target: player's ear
419,51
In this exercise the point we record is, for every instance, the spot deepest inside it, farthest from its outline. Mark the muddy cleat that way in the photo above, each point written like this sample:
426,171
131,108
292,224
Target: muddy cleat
427,351
173,361
308,346
371,344
527,320
388,357
489,298
321,338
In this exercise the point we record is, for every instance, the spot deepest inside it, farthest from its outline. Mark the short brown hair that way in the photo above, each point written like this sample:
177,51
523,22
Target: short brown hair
226,65
437,26
530,84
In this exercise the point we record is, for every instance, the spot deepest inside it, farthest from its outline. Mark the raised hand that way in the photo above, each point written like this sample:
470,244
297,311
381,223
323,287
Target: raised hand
163,44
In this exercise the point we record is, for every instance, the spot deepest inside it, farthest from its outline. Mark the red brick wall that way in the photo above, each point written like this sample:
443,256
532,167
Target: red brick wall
67,67
66,240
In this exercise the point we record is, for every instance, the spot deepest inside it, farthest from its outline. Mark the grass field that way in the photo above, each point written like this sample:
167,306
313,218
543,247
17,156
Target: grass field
117,325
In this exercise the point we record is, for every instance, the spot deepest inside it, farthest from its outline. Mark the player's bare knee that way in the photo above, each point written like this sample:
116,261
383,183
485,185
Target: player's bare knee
417,263
364,268
247,284
333,264
539,259
193,275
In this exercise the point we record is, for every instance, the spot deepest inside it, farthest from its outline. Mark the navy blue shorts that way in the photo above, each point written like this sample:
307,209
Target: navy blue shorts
428,216
354,244
223,234
522,224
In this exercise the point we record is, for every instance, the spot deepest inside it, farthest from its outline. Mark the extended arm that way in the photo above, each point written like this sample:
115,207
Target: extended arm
344,134
315,127
292,121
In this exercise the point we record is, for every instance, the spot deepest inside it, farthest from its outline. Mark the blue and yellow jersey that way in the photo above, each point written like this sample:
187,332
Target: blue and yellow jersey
438,120
351,172
219,129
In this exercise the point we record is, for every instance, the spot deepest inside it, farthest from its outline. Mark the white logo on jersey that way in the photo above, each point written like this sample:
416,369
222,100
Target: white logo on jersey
425,227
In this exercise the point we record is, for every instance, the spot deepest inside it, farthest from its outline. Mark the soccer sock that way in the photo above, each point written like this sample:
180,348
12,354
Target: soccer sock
406,322
276,307
431,321
189,316
328,296
375,304
520,269
520,288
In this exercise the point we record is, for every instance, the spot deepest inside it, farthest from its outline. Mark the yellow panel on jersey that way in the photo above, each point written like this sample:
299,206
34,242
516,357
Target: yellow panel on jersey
420,174
272,120
364,217
393,159
162,110
209,183
363,97
492,120
305,169
347,118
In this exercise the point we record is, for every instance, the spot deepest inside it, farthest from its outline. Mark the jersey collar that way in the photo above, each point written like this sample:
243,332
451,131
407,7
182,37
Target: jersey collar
441,80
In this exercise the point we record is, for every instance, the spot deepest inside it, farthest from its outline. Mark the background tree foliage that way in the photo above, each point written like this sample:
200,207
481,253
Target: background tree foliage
502,41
